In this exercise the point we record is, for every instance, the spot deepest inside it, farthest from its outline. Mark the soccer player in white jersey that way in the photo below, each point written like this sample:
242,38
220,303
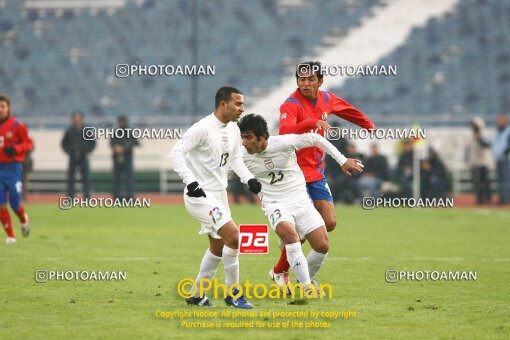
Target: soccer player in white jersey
202,159
284,198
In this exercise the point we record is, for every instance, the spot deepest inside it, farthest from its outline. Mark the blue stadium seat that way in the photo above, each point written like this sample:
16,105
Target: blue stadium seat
470,49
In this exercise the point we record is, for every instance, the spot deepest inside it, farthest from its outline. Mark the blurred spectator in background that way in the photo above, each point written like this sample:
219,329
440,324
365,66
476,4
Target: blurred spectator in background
343,188
478,159
501,152
375,172
404,171
334,174
78,150
238,189
123,160
434,177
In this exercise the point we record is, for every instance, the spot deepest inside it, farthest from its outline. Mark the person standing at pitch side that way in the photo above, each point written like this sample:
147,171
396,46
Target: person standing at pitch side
307,110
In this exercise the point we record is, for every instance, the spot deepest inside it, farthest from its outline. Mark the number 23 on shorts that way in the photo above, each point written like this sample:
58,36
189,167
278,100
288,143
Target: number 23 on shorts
275,216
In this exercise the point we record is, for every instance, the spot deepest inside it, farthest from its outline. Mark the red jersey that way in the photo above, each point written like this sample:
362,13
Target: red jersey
14,133
299,115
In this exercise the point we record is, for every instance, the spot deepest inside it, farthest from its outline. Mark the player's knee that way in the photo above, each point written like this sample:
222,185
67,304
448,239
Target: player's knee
287,233
330,225
320,242
229,233
289,239
234,243
216,251
232,240
216,246
322,246
3,207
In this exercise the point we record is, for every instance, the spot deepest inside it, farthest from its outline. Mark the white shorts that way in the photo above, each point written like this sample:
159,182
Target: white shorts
302,215
212,211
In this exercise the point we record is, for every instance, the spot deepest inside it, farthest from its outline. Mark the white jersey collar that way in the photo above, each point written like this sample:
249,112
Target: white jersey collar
219,122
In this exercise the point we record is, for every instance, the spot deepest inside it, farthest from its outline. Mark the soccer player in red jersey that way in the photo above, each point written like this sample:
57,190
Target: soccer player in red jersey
15,142
307,110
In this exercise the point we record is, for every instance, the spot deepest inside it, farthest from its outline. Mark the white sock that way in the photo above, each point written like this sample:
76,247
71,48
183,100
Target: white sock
298,262
315,261
230,260
207,269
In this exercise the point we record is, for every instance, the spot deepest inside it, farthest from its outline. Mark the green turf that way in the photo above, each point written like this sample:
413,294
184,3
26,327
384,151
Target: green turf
160,245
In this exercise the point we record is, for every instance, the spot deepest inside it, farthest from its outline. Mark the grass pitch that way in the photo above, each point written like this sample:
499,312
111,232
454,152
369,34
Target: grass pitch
158,246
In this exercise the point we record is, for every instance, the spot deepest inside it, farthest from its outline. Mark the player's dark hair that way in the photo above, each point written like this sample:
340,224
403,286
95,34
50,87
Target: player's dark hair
5,98
254,123
224,94
307,66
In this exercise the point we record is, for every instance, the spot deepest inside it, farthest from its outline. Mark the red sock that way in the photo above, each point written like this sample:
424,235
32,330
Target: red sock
5,218
21,214
282,265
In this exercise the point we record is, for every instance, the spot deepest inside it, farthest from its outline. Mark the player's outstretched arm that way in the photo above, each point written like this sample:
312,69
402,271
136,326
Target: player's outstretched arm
345,110
312,139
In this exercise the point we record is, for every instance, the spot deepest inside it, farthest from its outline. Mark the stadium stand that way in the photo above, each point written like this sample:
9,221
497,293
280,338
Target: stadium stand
60,55
458,65
53,62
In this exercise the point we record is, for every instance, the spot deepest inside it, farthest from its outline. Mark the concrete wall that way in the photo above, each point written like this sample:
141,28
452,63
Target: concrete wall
153,154
48,154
